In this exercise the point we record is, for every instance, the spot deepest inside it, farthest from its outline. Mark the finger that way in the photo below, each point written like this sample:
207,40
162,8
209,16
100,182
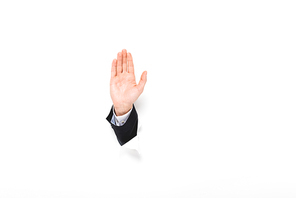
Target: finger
130,63
113,70
142,81
124,62
119,63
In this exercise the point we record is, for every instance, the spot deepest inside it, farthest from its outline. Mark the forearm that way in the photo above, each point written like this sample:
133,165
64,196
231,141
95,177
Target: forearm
127,131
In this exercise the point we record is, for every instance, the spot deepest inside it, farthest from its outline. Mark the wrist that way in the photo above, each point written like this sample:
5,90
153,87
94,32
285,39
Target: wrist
121,109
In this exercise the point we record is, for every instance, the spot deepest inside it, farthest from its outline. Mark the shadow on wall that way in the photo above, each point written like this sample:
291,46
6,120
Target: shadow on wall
130,153
141,103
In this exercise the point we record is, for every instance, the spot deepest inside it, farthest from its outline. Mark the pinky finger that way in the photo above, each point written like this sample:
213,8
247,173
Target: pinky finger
113,70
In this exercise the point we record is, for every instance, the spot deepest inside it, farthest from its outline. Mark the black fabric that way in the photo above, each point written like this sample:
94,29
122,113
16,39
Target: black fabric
127,131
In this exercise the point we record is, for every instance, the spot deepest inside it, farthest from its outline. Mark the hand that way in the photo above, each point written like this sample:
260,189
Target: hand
123,87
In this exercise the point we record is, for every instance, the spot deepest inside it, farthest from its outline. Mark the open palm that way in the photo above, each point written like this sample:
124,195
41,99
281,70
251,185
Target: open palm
123,87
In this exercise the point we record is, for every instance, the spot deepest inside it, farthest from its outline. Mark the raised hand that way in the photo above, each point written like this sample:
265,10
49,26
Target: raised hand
123,87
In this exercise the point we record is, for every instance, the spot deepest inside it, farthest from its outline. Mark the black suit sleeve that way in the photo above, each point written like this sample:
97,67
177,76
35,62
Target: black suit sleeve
127,131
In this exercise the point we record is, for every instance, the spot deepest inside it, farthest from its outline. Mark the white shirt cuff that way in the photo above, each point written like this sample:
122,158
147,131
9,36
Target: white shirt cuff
120,120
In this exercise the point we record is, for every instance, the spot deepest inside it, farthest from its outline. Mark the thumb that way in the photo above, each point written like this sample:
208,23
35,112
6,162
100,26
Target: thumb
142,81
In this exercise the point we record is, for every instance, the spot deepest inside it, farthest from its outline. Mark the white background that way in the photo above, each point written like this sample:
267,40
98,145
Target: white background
217,113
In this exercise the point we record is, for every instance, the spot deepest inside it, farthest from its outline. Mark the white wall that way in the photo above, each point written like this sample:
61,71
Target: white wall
218,110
